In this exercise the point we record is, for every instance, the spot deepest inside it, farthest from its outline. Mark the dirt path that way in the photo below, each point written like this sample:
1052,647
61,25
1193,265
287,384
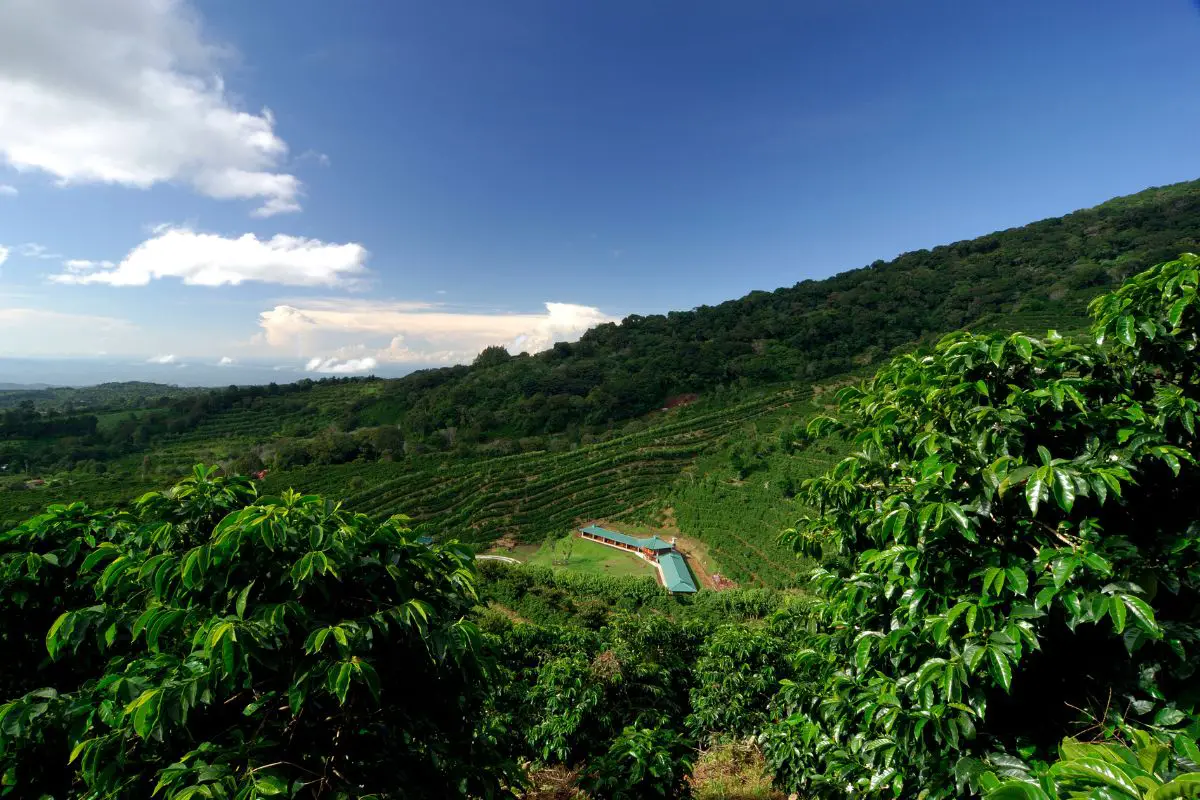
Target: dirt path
508,612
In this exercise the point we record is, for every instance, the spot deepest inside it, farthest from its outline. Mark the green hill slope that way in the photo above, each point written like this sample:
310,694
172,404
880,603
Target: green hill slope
1045,271
525,446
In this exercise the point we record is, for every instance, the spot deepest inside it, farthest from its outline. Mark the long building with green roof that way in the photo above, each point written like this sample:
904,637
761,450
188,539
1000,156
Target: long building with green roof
672,567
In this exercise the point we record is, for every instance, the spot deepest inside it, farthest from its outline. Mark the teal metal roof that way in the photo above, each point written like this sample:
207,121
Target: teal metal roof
604,533
676,576
653,543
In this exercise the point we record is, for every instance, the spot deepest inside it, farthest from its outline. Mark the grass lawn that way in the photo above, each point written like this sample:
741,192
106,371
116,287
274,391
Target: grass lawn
596,559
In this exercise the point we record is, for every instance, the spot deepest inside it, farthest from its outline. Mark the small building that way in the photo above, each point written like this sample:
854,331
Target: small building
675,573
648,548
672,567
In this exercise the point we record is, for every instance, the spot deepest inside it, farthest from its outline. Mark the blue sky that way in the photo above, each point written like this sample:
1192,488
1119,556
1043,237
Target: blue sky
429,176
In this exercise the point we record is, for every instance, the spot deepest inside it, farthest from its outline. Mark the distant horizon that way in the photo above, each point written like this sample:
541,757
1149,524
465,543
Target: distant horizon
77,373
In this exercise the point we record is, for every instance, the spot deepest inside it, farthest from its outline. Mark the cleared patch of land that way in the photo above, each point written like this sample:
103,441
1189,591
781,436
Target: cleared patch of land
591,558
695,552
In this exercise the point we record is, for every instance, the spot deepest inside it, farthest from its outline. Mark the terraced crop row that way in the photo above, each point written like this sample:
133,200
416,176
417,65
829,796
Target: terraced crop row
530,495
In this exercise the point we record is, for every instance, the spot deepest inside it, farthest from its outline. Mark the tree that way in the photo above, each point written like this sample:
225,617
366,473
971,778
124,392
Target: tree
210,643
492,356
1019,520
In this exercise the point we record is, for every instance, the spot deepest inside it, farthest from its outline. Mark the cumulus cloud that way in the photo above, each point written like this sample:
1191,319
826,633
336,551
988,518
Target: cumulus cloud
3,254
40,332
226,361
332,366
206,259
167,359
417,332
129,92
7,191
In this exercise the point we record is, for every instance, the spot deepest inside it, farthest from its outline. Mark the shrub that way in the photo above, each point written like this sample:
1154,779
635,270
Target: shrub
640,763
212,644
1019,522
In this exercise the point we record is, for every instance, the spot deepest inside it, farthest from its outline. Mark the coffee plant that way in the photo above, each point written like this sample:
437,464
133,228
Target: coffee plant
213,644
1014,537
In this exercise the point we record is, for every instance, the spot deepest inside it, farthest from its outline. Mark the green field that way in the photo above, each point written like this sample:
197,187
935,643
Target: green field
593,558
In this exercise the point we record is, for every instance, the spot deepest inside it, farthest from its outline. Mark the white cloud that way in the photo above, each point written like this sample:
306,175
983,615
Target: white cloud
226,361
7,191
129,92
205,259
35,250
79,265
167,359
3,254
39,332
416,332
334,367
313,155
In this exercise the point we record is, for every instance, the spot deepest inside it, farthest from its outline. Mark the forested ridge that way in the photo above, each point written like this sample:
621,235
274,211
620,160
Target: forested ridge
1042,274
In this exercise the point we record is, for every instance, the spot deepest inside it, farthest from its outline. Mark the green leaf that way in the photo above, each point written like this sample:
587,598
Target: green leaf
1166,717
960,516
270,784
1017,790
1175,315
341,684
370,677
862,654
1116,610
1094,770
1184,786
1126,332
78,750
1143,613
996,351
1017,580
1035,490
989,575
52,641
1064,490
1062,569
972,655
1000,668
1023,346
145,712
1045,596
240,606
227,655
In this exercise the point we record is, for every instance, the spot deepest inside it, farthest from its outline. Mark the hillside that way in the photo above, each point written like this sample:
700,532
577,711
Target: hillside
521,446
1036,276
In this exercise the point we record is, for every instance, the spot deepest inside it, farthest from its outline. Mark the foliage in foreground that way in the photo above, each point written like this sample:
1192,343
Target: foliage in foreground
210,643
1018,526
220,645
1128,764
